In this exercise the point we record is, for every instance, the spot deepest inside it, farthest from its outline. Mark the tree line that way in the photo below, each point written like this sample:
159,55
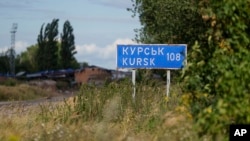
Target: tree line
51,51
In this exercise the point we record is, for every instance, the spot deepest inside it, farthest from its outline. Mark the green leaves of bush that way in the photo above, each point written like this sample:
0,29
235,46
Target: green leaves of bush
221,69
231,103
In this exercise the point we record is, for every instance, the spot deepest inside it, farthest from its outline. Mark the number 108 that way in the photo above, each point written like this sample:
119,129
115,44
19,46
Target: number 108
173,56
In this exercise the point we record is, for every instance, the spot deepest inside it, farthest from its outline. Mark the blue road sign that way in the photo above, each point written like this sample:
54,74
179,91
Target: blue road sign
151,56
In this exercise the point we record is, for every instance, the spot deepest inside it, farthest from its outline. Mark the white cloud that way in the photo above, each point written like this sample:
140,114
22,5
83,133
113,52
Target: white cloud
100,56
21,46
103,56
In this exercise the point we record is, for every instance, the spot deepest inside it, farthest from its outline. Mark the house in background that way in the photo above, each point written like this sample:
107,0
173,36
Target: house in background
92,75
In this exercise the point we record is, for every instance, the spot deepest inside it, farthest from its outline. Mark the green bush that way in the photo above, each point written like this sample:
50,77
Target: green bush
10,82
217,76
232,102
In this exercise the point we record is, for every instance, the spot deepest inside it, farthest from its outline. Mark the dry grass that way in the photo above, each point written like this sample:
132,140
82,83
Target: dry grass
22,92
17,121
23,123
118,121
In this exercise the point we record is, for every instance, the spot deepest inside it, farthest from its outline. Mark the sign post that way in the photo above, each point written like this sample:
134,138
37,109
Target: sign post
168,82
152,56
133,81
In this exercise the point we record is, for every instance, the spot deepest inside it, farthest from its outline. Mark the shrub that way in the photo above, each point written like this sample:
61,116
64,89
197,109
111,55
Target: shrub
10,82
217,76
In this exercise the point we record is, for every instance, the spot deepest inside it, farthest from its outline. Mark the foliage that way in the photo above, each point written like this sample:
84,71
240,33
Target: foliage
232,102
26,61
4,63
168,21
112,106
9,82
104,113
214,92
216,78
48,52
67,50
219,85
47,56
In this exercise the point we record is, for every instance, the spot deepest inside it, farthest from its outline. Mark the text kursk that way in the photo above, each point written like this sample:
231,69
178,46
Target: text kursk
140,51
138,61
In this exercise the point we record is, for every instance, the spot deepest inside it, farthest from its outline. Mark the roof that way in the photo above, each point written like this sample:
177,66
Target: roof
90,67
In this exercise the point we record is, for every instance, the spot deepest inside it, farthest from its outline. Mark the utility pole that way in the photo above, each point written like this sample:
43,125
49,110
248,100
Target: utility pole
12,52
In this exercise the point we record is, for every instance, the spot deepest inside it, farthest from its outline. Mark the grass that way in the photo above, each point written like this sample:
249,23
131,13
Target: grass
14,90
21,92
100,114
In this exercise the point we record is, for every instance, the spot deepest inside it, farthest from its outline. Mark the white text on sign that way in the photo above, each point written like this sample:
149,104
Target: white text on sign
142,50
138,61
173,56
159,56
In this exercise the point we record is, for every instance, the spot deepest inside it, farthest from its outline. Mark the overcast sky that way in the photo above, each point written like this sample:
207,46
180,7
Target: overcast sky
99,25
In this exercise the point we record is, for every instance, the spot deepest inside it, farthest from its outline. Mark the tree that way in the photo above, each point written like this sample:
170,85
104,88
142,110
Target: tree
41,41
4,63
26,61
67,50
169,22
47,56
218,76
216,79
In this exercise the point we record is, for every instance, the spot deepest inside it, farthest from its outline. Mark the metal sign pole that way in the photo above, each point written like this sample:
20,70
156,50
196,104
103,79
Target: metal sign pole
133,81
168,82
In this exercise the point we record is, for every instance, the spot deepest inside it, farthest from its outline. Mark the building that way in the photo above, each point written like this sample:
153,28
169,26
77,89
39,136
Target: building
92,75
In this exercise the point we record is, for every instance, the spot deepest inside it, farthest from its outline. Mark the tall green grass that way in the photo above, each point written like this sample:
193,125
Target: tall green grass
116,115
104,113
